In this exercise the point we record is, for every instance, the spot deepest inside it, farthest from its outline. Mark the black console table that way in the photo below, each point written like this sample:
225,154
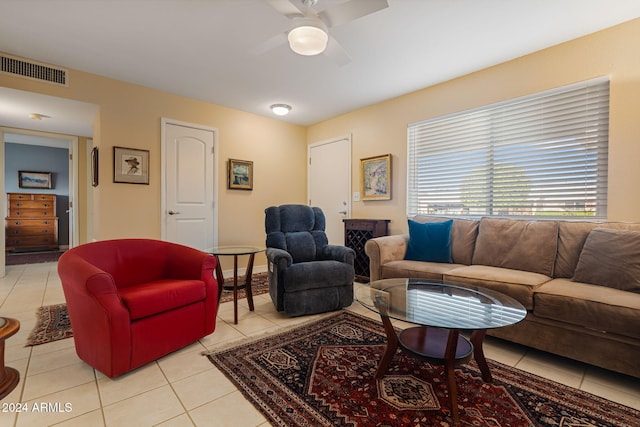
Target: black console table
356,234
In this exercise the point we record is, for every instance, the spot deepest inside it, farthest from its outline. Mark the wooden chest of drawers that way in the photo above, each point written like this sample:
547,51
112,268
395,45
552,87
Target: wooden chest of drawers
31,222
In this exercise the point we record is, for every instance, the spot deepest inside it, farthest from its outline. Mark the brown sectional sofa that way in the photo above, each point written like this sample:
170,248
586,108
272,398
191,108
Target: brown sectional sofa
578,280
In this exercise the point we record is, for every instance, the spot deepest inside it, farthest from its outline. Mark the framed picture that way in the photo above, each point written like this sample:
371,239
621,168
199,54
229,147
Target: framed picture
130,165
375,178
240,174
27,179
94,166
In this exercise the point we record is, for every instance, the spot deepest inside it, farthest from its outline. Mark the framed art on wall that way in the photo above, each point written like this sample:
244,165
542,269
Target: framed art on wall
28,179
130,165
375,178
94,166
240,174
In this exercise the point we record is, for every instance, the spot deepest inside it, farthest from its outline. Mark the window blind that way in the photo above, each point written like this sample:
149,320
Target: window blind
544,155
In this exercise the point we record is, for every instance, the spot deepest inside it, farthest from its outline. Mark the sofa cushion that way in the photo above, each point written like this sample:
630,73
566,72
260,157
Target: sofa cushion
590,306
156,297
463,236
517,244
430,241
571,238
417,269
610,258
518,284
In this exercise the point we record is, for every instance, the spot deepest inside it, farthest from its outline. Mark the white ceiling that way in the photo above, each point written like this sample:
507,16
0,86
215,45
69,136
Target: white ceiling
202,49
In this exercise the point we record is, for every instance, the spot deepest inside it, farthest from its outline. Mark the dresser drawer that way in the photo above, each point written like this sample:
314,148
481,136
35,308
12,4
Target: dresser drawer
31,213
27,227
30,196
31,204
31,242
354,224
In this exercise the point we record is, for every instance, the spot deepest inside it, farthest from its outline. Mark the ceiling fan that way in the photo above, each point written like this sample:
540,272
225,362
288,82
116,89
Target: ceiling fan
309,31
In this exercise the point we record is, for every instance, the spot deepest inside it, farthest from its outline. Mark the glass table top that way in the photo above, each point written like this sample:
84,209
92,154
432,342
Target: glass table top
441,304
235,250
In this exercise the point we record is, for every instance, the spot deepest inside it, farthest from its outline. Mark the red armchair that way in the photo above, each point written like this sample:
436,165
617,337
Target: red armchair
131,301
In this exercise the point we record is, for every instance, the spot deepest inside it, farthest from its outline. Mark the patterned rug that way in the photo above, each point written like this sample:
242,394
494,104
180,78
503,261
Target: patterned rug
53,320
259,285
322,374
53,325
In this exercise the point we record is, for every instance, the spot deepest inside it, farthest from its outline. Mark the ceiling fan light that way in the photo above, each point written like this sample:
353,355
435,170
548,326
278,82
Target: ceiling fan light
308,40
280,109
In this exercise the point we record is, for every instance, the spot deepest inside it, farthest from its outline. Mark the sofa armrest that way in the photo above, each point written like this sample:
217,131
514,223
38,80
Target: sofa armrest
382,250
339,253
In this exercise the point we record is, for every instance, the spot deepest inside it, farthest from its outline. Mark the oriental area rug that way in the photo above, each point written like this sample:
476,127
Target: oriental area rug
53,320
322,374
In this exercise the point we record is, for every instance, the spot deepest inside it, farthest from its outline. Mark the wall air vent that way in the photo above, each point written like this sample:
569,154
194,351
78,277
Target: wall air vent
33,70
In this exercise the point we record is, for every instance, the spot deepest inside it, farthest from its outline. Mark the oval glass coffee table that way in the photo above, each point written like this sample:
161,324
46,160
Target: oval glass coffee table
442,310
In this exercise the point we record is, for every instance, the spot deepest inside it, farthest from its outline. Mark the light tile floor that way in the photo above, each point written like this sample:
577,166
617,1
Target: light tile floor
184,388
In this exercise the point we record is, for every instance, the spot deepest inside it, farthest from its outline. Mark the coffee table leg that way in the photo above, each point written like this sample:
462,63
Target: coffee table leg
247,282
390,350
449,366
477,338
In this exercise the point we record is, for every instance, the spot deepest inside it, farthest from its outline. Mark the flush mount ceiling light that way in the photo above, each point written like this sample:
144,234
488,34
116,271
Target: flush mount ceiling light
309,37
280,109
38,116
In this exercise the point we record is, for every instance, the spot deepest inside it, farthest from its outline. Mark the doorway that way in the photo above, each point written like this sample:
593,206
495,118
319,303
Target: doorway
25,150
330,183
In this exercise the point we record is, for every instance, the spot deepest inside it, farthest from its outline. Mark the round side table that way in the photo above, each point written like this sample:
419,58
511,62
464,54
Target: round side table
9,377
236,251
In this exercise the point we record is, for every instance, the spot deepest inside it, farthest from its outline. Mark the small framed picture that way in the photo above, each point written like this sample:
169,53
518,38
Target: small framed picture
130,165
375,178
240,174
94,166
27,179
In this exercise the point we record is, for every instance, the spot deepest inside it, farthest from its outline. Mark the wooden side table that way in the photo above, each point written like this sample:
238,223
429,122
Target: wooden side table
356,234
9,377
236,251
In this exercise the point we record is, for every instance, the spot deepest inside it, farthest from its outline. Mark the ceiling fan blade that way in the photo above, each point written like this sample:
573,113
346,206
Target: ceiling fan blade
269,44
351,10
336,52
286,8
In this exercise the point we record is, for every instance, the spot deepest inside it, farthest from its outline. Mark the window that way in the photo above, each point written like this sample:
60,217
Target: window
544,155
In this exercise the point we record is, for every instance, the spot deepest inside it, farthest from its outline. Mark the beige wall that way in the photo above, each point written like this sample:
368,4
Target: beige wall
382,128
130,116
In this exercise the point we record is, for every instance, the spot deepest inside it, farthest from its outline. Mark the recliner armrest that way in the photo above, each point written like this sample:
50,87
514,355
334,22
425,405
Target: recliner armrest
339,253
278,257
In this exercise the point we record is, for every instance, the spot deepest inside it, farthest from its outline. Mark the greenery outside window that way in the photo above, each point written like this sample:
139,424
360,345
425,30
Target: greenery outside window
544,155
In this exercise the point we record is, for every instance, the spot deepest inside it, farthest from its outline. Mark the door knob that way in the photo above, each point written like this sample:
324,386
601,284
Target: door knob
343,212
173,213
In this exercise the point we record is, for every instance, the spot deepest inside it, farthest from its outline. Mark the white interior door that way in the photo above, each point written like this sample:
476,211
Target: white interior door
330,183
189,185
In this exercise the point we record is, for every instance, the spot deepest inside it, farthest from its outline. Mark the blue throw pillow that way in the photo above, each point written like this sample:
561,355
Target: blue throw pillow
430,241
